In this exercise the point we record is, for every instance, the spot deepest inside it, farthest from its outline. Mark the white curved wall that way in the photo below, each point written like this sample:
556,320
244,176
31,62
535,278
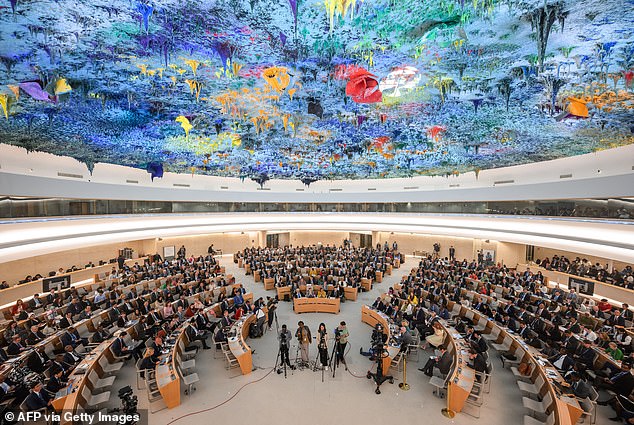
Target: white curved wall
24,238
603,174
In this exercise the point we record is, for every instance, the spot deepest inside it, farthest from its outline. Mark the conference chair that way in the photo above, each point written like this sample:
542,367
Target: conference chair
493,335
24,408
109,368
482,324
188,380
550,420
538,407
440,384
98,383
153,394
504,346
532,390
519,355
94,400
186,354
187,365
483,379
589,406
412,349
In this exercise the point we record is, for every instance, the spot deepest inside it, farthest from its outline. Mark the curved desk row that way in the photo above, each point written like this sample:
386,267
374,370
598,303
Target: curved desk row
238,345
372,317
26,290
167,377
316,305
80,382
567,410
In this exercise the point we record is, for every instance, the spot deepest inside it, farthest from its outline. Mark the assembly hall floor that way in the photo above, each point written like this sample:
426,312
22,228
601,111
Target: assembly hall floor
302,397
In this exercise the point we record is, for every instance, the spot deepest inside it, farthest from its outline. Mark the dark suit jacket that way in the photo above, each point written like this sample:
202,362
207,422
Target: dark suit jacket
444,363
117,348
37,363
54,385
35,402
64,323
623,385
479,363
14,349
68,358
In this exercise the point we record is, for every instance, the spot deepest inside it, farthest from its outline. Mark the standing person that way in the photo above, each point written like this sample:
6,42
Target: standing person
341,336
285,340
120,260
182,252
305,338
452,253
323,345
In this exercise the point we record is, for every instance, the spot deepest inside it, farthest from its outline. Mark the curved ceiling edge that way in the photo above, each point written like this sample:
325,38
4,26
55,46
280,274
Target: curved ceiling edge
22,240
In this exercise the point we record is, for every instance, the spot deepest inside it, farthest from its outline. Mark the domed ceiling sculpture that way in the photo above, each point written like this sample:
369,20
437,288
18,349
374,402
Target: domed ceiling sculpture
316,89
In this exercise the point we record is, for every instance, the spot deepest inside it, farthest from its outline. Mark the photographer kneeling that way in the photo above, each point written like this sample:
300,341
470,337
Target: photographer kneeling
379,338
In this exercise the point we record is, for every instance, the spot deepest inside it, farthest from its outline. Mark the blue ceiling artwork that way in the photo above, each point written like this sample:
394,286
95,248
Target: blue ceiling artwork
316,89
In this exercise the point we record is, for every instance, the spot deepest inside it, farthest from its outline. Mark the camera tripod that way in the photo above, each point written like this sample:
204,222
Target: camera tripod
318,362
334,357
378,377
299,363
277,359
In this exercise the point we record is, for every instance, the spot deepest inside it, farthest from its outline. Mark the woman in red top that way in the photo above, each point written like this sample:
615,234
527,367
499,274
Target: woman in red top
238,314
604,305
17,308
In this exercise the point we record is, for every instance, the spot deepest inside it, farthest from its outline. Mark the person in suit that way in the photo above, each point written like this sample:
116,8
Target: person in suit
563,360
442,362
122,320
478,362
70,356
586,354
622,382
149,361
195,335
56,382
86,313
119,348
35,335
100,335
38,398
16,346
38,360
580,387
75,307
616,319
66,321
479,344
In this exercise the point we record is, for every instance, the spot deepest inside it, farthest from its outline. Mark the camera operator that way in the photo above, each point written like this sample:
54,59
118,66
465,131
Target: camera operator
341,338
305,338
285,339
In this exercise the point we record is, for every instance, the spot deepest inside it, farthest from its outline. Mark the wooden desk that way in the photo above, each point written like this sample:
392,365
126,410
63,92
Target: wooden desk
372,317
350,293
388,269
282,291
379,277
238,345
462,377
256,275
70,398
167,377
567,410
316,305
366,284
269,283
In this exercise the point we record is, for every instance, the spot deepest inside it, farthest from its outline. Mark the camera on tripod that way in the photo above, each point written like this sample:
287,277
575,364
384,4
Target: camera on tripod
283,339
128,400
378,337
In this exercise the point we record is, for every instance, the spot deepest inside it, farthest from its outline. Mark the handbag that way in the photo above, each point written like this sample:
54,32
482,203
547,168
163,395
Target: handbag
525,369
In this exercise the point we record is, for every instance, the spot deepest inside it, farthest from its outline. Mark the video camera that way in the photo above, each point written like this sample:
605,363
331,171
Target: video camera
378,337
128,400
